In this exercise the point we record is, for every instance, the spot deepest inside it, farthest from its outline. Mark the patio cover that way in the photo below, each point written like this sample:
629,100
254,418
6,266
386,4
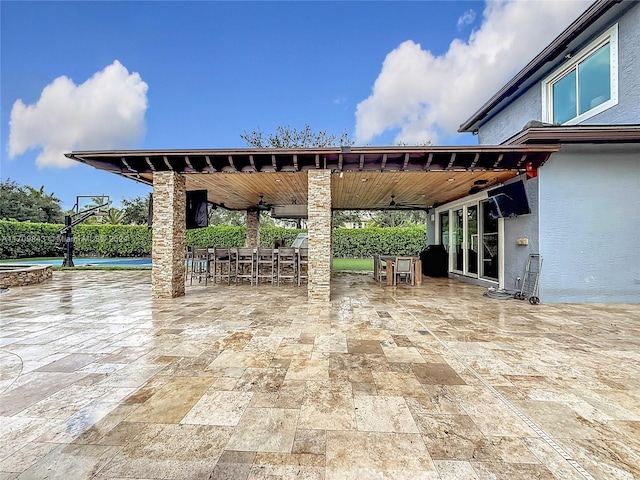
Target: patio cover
362,177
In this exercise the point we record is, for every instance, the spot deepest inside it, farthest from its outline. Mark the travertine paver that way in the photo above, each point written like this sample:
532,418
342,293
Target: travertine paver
98,380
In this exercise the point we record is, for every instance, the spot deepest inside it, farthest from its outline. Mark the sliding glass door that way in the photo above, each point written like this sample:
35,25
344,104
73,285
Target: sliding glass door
471,250
457,249
489,247
470,235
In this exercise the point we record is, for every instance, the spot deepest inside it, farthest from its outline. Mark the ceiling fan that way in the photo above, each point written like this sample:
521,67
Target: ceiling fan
262,205
396,205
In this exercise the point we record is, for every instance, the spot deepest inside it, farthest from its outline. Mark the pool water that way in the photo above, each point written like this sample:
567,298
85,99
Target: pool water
86,262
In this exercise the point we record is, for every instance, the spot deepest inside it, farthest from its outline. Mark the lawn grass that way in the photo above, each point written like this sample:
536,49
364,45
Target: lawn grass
353,264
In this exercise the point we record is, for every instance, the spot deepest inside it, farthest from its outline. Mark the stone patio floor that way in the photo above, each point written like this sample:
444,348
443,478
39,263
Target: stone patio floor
97,380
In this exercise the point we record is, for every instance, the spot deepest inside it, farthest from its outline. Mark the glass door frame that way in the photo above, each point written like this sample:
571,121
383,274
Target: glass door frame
464,204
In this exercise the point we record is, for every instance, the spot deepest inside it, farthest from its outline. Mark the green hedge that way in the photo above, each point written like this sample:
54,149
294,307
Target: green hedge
365,242
25,239
112,240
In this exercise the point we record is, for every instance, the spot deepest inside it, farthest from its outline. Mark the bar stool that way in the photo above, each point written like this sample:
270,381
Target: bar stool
265,264
303,264
188,261
244,264
199,264
222,260
287,263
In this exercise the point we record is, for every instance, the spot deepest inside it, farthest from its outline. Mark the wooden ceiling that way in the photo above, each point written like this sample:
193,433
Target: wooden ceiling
362,178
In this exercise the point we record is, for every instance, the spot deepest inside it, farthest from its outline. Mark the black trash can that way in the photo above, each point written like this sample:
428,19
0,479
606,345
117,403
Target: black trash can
434,261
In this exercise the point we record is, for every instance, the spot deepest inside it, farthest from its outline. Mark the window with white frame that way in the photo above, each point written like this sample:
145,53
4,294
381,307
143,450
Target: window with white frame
584,86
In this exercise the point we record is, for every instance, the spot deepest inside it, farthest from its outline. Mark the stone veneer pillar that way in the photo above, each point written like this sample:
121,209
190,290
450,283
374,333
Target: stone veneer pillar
253,228
319,228
168,240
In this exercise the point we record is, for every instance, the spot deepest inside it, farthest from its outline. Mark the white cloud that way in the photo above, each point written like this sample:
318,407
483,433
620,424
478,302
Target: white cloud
105,112
467,18
426,97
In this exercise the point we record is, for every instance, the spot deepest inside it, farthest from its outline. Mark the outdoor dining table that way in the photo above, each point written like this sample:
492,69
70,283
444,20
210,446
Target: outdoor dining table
416,267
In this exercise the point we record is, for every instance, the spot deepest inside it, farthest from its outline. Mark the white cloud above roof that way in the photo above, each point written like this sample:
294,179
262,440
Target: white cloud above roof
426,97
467,18
105,112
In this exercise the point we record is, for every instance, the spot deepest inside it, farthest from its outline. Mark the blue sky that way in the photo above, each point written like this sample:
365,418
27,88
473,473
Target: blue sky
159,75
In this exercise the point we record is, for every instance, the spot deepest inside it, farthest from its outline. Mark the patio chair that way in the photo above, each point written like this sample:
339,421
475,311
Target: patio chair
403,269
199,264
265,264
245,264
287,263
223,258
303,265
379,269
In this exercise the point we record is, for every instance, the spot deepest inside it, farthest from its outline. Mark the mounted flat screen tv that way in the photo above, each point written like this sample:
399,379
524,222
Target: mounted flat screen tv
197,213
509,201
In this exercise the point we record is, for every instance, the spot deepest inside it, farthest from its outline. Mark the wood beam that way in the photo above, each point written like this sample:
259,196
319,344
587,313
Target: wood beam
252,162
188,162
208,160
340,161
231,164
295,162
523,158
317,161
151,166
166,162
475,161
361,166
384,162
451,161
127,166
499,160
406,160
427,165
273,162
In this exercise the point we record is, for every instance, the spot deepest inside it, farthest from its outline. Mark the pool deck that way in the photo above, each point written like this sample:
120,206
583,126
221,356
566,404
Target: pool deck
97,380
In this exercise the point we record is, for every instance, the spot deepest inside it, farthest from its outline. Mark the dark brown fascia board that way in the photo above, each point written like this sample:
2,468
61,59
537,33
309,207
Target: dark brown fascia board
555,48
93,154
577,134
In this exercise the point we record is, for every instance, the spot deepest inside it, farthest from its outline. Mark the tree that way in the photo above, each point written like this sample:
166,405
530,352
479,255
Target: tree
221,216
135,210
113,217
288,137
397,218
25,203
343,217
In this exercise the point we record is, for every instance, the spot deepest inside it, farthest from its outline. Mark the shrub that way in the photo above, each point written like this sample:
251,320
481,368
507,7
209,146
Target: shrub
25,239
365,242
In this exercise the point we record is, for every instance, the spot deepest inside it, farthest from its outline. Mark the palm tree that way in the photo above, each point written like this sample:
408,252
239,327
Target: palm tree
113,217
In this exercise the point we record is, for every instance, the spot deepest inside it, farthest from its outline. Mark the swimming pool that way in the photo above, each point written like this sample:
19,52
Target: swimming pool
86,262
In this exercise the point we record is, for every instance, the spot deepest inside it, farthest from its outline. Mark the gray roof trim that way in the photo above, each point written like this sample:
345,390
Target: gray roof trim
551,52
560,134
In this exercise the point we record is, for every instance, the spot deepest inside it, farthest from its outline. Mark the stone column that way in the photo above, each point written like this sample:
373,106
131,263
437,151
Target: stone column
253,228
168,242
319,228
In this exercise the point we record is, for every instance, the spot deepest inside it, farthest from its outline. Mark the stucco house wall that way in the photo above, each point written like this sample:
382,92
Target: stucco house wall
589,224
523,226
